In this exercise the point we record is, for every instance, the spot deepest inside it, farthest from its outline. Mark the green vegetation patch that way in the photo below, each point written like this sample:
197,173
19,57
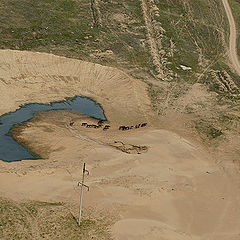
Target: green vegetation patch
66,27
44,220
14,223
193,35
31,24
205,129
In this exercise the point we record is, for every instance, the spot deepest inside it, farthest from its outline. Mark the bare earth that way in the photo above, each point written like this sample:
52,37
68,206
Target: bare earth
176,190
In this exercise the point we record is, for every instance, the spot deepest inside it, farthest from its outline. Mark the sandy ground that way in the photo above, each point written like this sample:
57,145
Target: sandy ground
176,190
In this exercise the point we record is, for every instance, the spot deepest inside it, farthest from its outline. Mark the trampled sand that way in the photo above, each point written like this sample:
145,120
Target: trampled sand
176,190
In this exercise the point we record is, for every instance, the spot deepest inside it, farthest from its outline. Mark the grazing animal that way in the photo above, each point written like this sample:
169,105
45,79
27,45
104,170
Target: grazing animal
131,127
105,128
89,125
71,123
100,122
84,124
125,128
122,128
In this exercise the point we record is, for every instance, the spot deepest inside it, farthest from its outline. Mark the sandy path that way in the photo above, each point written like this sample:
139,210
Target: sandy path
233,38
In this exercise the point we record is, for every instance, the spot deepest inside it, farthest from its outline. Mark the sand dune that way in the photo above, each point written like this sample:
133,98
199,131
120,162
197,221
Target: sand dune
174,191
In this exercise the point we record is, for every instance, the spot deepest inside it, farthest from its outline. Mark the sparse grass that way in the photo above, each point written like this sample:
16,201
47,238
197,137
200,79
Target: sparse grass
192,26
13,217
43,23
205,129
65,28
43,220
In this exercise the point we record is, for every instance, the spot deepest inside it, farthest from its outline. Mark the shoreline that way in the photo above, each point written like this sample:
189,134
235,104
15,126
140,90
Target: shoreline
15,121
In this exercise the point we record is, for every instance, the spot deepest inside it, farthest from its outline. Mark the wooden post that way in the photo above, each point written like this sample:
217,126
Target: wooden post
94,14
81,193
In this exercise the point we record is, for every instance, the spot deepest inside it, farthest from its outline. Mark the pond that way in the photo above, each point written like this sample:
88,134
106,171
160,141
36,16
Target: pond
11,151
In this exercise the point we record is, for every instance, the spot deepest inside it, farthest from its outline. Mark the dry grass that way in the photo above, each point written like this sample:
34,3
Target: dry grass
44,220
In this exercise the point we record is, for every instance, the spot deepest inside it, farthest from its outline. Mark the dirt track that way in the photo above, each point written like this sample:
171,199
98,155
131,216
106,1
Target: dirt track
232,38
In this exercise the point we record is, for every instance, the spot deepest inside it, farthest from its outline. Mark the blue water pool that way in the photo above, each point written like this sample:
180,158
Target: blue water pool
10,150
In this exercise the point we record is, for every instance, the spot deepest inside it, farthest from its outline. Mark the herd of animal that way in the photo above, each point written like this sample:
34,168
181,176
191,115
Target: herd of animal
131,127
100,124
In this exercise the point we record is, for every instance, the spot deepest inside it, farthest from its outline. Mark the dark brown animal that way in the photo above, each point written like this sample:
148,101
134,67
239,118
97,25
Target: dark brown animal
71,123
125,128
84,124
143,124
100,122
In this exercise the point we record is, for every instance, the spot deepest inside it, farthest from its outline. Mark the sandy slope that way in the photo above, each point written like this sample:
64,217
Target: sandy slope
232,38
174,191
37,77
